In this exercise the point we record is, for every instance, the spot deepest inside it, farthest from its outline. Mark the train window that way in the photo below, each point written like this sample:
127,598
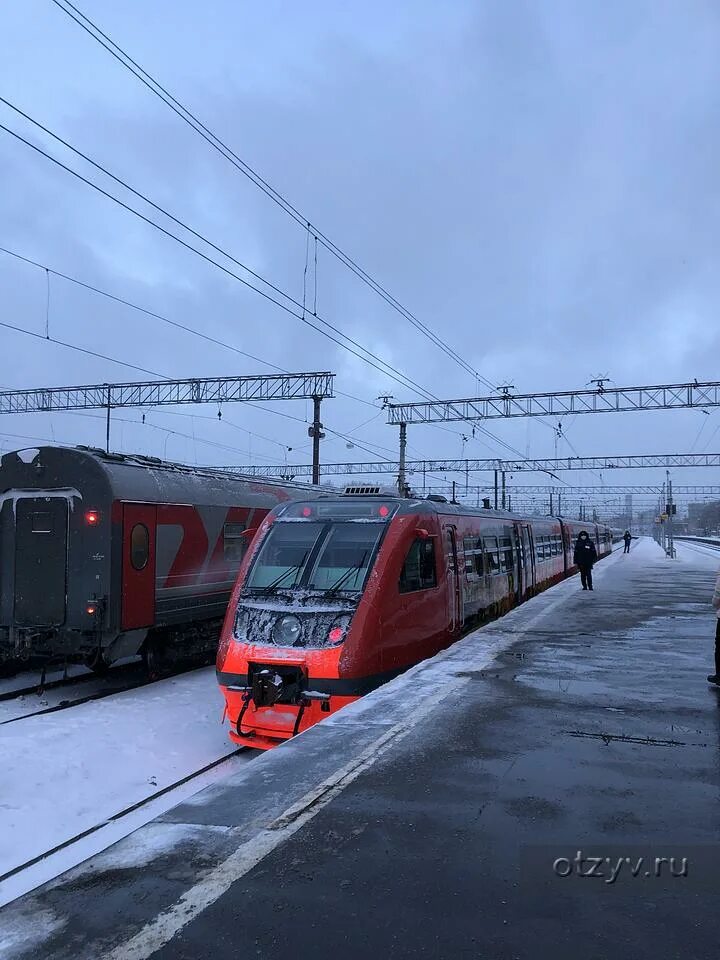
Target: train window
41,523
234,542
139,546
418,572
283,554
492,555
472,547
506,555
345,557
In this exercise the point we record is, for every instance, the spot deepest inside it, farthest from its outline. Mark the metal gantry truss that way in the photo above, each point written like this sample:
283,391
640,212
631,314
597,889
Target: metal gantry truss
549,465
611,490
158,393
154,393
559,403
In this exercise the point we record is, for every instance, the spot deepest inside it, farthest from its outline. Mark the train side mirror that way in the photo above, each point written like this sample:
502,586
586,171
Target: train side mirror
422,534
249,533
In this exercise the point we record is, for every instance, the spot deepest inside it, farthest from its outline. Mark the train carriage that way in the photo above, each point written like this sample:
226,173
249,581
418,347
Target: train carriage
339,595
104,556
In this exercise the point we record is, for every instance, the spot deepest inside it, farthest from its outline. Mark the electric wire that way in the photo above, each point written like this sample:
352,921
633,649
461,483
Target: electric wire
395,375
371,359
214,141
211,138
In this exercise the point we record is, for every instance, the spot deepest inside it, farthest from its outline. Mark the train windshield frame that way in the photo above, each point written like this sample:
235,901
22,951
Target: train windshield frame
315,555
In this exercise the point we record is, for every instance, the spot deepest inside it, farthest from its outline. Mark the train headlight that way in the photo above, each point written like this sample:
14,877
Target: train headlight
337,631
287,631
240,627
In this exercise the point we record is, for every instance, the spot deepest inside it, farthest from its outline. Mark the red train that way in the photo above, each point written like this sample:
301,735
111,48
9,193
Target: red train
104,556
340,594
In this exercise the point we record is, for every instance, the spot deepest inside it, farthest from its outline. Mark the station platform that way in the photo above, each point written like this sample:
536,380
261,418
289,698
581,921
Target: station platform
459,811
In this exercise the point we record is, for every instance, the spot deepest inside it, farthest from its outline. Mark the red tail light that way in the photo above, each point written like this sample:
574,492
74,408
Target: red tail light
92,518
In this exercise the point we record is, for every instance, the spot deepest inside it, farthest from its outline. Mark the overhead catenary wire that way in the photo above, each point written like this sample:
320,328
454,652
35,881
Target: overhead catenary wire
158,316
94,31
155,373
191,330
152,84
389,371
371,359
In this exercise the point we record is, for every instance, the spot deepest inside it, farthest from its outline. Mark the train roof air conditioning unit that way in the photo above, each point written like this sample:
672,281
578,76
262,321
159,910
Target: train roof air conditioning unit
368,490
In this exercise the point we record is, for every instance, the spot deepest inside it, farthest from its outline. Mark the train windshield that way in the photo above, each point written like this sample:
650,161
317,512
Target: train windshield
330,556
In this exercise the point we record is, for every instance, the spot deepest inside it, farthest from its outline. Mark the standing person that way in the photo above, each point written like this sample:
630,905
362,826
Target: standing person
627,537
585,556
715,678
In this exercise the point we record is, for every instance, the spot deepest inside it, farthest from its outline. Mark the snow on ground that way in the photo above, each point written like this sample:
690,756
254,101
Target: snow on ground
697,552
86,685
29,678
66,772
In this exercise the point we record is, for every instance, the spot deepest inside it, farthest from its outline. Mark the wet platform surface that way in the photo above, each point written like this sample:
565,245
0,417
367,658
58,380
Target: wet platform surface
476,807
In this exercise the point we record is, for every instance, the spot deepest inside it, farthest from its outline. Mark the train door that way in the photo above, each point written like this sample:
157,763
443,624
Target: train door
455,616
526,584
138,565
41,530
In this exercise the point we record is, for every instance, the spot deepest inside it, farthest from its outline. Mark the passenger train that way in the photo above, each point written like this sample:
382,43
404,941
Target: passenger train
339,594
105,556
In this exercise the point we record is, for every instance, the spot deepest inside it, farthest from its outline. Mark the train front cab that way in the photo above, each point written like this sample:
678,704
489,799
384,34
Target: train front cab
336,597
333,600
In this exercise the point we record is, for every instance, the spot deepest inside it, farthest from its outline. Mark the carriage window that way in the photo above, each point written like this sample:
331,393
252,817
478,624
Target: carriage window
418,572
472,547
539,548
492,557
234,541
506,555
139,546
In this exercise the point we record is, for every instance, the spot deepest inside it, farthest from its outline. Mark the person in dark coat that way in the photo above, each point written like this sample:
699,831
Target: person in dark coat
584,557
627,537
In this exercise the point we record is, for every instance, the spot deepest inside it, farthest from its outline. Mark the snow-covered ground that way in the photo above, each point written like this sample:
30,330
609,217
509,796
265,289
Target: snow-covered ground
29,678
697,550
85,685
64,773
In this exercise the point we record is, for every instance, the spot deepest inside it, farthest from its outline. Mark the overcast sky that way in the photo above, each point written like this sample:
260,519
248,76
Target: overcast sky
536,181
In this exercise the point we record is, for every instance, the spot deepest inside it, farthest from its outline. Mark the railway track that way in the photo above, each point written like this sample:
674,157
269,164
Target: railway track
704,547
9,691
15,703
108,691
119,820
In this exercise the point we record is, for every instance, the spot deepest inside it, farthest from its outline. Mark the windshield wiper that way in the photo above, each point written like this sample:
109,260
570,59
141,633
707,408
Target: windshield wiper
343,578
271,587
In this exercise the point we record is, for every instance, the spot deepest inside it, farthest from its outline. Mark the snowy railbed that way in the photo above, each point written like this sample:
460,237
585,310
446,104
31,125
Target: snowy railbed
68,772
